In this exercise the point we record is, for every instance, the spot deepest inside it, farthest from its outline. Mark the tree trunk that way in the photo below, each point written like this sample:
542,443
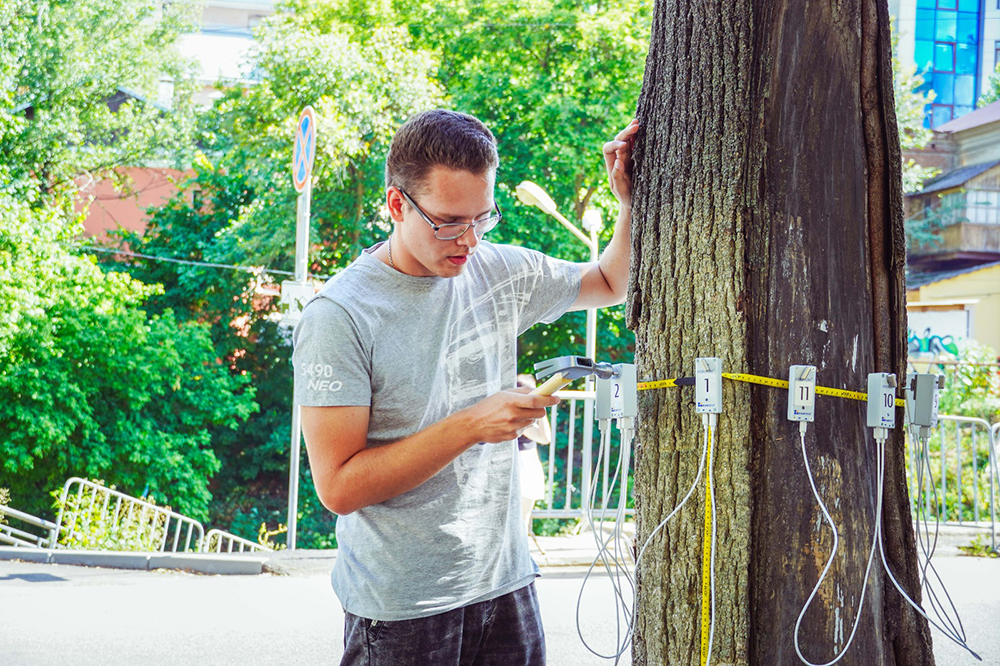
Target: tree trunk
767,231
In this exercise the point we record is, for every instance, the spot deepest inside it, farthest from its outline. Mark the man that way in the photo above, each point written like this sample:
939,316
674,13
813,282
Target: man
405,369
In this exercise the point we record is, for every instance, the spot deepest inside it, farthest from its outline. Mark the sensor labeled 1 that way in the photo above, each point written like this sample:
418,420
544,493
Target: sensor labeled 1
708,385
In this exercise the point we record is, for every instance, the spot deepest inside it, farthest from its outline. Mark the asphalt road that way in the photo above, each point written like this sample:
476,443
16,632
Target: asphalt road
52,614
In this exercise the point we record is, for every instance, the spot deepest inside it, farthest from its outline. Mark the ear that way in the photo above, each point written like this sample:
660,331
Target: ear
394,202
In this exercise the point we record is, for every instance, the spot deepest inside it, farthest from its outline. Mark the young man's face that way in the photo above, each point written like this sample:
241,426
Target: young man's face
447,197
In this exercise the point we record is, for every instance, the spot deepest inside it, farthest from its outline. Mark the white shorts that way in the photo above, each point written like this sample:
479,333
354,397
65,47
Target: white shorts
532,477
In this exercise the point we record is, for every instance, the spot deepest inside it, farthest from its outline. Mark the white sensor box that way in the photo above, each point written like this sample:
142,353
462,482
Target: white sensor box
708,385
881,400
618,397
802,393
923,397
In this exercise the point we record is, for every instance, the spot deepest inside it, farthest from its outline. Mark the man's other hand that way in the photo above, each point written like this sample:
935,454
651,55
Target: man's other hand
505,415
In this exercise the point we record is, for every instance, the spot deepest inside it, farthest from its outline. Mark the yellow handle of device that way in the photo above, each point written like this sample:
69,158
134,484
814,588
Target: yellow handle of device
552,384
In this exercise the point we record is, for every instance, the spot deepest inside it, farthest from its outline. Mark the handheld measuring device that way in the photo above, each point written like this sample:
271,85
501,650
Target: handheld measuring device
566,369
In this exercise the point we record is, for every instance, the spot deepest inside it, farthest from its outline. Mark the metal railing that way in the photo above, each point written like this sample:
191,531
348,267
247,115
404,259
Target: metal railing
217,541
93,516
574,464
957,451
960,483
22,538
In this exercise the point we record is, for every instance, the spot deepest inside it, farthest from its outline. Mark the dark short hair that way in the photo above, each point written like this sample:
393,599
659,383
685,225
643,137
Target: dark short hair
438,137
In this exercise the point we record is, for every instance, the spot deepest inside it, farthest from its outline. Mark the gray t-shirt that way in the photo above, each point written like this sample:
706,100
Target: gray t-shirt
415,350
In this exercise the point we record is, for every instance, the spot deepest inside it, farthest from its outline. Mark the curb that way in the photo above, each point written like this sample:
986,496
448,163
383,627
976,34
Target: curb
218,564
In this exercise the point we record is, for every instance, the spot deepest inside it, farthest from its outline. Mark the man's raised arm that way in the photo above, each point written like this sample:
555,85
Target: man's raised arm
605,282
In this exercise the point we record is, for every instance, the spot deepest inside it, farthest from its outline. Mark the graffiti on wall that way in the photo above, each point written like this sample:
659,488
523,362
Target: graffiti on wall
931,349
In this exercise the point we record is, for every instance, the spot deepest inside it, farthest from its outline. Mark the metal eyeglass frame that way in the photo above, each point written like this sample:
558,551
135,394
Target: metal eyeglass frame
489,223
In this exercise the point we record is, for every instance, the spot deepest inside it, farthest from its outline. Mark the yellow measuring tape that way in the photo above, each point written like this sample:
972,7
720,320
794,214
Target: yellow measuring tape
706,558
765,381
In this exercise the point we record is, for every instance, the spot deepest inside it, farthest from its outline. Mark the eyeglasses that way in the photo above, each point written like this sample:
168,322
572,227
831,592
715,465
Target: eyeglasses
451,231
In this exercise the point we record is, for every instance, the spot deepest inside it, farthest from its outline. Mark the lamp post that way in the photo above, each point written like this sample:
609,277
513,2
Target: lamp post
532,195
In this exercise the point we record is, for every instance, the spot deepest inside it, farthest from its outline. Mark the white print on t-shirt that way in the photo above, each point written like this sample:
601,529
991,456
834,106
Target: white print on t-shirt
321,377
475,338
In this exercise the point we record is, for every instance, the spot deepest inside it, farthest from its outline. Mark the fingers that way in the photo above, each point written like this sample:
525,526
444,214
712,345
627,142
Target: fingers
629,131
618,151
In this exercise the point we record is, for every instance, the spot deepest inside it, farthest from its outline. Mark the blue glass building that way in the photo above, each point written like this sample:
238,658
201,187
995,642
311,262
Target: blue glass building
947,46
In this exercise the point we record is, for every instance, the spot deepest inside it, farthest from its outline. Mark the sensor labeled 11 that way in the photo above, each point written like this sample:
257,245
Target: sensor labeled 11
802,393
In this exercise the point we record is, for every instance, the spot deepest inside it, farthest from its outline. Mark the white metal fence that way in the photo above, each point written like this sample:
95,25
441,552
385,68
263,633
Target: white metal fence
217,541
94,517
22,537
571,457
962,452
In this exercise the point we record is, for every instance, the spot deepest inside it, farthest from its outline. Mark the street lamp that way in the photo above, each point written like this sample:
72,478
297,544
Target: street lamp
531,194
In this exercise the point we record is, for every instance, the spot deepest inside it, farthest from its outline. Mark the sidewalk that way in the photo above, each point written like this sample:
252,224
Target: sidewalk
572,550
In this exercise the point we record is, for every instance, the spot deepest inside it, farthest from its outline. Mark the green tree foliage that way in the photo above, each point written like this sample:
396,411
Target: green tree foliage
554,81
89,386
239,208
992,92
972,388
911,109
79,82
361,92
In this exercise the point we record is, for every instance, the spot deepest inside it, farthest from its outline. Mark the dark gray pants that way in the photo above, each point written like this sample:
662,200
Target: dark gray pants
506,631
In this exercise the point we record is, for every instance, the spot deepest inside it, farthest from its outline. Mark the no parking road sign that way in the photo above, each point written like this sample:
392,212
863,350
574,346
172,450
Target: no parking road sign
305,149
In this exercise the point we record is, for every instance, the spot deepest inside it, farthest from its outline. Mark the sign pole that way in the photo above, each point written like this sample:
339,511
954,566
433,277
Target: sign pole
302,162
301,266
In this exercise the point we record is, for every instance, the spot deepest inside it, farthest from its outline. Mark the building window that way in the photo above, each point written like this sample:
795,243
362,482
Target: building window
982,206
940,114
944,57
946,52
996,51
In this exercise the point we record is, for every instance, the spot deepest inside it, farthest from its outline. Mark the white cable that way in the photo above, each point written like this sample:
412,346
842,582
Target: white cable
880,440
603,550
936,606
922,436
712,423
836,540
623,646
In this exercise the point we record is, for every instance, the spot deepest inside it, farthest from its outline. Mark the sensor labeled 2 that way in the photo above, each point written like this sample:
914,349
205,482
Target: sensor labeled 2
802,393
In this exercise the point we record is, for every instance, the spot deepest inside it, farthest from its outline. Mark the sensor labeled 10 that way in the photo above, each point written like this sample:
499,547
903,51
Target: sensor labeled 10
881,400
802,393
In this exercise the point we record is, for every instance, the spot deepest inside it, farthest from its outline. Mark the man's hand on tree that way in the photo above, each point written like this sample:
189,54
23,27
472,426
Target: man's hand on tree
618,162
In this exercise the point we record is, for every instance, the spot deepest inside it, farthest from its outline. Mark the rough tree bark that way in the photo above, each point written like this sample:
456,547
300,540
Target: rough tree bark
768,232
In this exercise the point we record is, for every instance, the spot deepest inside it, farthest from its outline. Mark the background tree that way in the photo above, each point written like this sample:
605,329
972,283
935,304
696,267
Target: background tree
65,62
239,209
912,102
992,92
89,386
768,232
553,81
567,80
